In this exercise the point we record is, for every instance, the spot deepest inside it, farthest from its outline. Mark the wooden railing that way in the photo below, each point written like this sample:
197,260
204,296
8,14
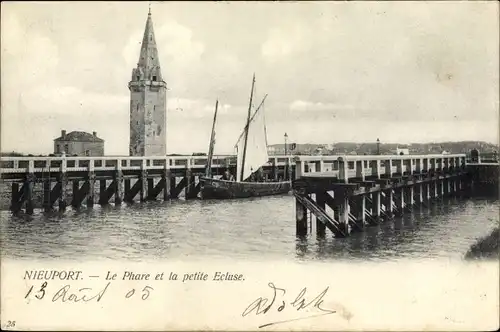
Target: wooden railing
360,166
481,158
315,163
68,164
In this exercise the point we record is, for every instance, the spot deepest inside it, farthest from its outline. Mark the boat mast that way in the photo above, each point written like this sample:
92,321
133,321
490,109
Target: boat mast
208,168
246,130
251,119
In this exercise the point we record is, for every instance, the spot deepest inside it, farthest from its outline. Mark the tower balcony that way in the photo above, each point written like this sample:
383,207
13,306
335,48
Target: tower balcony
134,85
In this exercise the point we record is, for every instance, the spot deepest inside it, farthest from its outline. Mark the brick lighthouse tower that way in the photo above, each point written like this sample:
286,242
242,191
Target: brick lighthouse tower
148,100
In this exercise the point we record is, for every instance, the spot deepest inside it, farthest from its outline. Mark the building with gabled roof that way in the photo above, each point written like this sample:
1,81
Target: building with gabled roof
79,143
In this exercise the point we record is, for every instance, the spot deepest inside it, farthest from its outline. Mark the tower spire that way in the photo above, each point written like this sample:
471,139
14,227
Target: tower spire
148,65
149,12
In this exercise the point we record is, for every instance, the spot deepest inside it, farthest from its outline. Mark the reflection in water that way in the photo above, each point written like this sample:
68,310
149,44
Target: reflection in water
261,228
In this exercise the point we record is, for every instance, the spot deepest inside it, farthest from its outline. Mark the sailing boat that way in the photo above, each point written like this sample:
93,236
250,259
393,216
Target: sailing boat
251,156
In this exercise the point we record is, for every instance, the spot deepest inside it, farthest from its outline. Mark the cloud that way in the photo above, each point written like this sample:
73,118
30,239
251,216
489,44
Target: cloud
308,106
285,41
180,53
28,58
70,100
330,111
199,108
362,69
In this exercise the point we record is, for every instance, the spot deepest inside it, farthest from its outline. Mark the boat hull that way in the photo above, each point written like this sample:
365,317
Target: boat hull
222,189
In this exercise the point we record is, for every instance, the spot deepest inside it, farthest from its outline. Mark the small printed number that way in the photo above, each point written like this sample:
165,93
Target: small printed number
11,323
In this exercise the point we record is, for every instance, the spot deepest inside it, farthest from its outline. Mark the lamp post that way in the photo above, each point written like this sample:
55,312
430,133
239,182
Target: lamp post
378,146
286,153
286,140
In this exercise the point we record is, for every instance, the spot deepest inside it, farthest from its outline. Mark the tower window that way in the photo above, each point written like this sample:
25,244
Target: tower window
138,78
154,78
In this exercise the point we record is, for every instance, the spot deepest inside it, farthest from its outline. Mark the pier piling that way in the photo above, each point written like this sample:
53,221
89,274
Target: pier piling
91,191
320,226
143,183
118,184
47,204
165,179
301,218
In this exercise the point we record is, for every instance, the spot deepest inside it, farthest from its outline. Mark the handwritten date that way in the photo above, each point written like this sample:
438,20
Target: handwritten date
83,294
67,294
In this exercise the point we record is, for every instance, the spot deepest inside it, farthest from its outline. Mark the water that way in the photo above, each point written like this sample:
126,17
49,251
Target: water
258,229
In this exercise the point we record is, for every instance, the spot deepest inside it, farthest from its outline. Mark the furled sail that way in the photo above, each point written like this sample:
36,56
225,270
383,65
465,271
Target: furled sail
256,152
208,167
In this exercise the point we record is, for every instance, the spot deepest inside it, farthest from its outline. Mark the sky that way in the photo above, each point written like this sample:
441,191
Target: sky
333,71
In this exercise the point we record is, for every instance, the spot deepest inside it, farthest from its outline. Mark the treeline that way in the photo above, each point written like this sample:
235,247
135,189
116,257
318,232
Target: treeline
389,148
19,154
433,147
358,148
11,154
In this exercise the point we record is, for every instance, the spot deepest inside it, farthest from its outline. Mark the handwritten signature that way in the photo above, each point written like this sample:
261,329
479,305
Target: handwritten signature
262,305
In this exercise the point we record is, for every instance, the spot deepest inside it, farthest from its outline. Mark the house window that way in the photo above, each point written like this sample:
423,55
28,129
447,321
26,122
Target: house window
66,148
154,78
154,133
58,148
87,153
138,78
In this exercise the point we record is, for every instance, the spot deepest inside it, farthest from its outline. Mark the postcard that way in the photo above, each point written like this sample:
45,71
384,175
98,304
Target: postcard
249,166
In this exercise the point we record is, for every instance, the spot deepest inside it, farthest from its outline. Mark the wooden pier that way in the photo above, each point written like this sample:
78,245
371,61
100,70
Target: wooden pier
343,193
348,193
78,181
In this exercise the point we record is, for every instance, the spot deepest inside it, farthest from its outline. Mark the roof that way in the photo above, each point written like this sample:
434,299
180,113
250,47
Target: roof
79,136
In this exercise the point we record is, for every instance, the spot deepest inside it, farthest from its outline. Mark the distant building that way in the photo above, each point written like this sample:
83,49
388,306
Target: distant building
271,150
402,151
79,143
318,151
298,149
